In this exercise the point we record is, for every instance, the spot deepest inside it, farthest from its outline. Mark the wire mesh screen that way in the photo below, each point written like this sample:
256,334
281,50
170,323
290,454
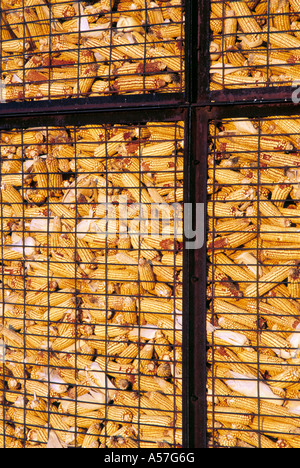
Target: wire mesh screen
254,44
253,283
57,49
91,286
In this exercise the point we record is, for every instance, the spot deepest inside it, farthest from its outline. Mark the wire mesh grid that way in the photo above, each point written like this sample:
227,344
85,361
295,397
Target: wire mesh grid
91,286
56,49
253,283
254,45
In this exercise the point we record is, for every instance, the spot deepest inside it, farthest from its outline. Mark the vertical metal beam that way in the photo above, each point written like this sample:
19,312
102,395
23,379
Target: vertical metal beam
163,107
195,286
201,42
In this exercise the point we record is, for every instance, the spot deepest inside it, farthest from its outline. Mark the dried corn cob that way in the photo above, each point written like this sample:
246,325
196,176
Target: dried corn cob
230,415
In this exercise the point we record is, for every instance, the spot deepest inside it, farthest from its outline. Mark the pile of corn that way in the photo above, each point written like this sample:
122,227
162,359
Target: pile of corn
91,301
254,43
254,283
59,49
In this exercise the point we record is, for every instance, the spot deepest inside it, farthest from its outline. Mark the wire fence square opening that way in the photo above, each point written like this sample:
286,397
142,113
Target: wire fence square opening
91,286
253,283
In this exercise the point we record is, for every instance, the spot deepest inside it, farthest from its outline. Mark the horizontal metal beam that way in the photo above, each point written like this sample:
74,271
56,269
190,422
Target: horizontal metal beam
97,116
85,105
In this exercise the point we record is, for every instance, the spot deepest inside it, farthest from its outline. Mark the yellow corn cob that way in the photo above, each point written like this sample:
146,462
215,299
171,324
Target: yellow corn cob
133,51
43,13
228,439
55,176
17,371
173,63
11,165
12,179
218,9
226,210
278,235
65,341
285,379
131,182
294,283
273,427
273,214
291,214
63,10
109,429
281,18
146,275
279,159
135,83
54,241
40,169
119,414
145,420
15,20
273,314
157,400
273,364
231,415
252,438
265,143
30,421
295,4
235,81
280,39
55,90
38,435
110,147
114,348
92,436
105,49
93,417
230,29
282,302
225,355
12,196
63,212
232,241
269,280
57,423
40,408
9,431
13,339
87,73
33,25
173,11
15,46
274,340
129,310
128,354
100,87
280,194
234,271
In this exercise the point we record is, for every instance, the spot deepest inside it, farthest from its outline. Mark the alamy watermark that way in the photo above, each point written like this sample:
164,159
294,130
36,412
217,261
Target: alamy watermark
190,233
182,222
2,352
296,93
2,92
